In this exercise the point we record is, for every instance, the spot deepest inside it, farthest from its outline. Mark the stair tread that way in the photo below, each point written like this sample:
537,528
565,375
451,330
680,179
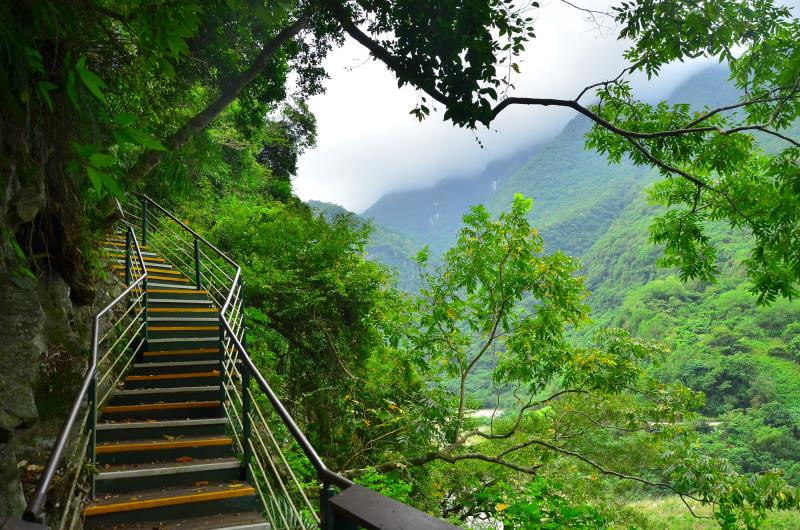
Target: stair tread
170,405
177,300
147,257
157,444
108,471
140,500
183,339
169,390
181,288
182,310
155,377
183,319
106,425
225,521
183,328
193,351
174,363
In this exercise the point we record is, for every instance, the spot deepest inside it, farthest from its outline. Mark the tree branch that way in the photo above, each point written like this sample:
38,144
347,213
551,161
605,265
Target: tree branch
228,94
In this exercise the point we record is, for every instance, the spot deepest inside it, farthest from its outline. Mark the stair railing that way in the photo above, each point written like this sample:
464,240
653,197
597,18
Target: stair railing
118,335
267,436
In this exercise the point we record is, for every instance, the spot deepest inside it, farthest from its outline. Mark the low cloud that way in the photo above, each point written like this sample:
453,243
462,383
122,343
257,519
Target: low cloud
369,144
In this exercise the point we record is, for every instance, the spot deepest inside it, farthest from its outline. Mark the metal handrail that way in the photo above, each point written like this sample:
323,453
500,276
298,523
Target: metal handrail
35,507
323,473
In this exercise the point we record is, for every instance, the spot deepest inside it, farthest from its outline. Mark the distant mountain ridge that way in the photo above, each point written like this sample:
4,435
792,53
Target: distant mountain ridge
434,214
577,193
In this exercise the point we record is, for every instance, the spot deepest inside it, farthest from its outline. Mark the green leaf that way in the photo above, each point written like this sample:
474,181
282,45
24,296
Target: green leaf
44,88
122,119
138,137
92,81
102,160
101,180
71,92
166,68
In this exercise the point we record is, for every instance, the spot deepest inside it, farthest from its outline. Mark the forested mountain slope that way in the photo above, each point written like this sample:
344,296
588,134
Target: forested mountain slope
389,246
433,214
743,357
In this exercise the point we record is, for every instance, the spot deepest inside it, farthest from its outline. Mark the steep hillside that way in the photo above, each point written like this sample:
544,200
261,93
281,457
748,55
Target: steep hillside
433,215
576,193
386,245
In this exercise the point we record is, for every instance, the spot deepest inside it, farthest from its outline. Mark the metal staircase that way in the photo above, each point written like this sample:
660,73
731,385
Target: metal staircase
174,427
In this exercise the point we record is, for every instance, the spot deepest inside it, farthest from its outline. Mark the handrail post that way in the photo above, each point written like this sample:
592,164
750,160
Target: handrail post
197,263
144,221
127,256
92,404
246,422
326,517
222,357
144,317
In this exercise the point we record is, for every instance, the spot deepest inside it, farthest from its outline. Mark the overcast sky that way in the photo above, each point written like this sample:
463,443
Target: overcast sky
368,143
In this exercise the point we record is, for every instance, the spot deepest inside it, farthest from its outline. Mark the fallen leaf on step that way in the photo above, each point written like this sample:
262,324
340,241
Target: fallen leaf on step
134,498
184,459
234,485
201,483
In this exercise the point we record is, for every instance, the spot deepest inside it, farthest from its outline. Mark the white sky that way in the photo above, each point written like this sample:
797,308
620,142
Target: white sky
368,144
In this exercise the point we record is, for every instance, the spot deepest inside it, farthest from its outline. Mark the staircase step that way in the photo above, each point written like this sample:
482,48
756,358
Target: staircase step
181,321
150,430
171,311
226,521
173,367
120,252
164,411
157,302
174,282
156,280
144,451
129,478
172,503
148,264
182,343
172,380
148,256
179,293
188,332
120,243
117,267
160,395
193,354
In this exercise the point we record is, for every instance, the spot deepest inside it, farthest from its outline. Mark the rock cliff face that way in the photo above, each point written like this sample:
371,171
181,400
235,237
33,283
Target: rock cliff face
43,342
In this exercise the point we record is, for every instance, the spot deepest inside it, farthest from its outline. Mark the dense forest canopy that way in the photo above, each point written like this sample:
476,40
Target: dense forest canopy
202,105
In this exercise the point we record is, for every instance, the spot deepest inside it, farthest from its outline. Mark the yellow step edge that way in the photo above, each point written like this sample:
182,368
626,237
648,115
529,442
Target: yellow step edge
180,352
182,280
146,258
166,444
119,266
182,328
188,375
123,244
161,406
178,291
231,492
182,309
